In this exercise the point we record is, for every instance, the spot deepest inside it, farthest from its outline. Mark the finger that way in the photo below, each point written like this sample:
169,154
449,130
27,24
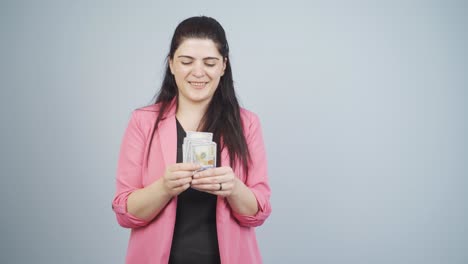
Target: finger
183,167
181,188
180,175
208,180
203,188
204,173
207,187
218,193
180,182
212,172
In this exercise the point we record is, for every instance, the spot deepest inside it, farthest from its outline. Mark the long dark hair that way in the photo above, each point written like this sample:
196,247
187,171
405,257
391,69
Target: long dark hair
222,117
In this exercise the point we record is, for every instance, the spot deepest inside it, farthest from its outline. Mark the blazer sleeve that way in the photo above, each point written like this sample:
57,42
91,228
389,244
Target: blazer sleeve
129,172
257,178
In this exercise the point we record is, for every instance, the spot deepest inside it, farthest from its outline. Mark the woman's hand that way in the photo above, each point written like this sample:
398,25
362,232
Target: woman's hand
178,177
218,181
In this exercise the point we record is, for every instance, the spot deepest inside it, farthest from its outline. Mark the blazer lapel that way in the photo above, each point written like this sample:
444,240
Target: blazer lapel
168,136
224,157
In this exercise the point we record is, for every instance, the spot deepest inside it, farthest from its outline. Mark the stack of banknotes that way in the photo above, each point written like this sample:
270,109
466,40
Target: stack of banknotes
199,148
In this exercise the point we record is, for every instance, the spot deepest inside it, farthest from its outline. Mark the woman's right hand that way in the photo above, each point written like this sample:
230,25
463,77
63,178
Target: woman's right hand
177,177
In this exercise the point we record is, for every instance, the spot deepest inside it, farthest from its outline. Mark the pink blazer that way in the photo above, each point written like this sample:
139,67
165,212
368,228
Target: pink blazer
150,241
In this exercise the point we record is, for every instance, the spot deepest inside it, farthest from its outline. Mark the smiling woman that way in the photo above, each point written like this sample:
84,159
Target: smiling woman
178,213
197,68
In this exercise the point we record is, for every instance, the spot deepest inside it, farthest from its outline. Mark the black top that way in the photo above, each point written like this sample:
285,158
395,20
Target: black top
195,238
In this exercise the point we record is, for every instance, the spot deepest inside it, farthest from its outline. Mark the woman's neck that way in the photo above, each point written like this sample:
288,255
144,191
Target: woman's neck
190,115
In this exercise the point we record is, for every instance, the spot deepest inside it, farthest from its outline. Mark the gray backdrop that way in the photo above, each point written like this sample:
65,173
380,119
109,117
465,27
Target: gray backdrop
363,106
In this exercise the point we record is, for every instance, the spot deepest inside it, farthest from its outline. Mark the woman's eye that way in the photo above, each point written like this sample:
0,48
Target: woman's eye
190,62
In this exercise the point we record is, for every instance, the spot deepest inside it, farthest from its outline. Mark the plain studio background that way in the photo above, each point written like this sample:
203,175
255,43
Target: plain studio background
363,106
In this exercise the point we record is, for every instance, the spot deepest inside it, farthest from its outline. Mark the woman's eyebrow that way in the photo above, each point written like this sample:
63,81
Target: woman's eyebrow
192,58
210,58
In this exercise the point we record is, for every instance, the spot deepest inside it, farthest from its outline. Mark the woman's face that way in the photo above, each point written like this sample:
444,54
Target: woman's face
197,67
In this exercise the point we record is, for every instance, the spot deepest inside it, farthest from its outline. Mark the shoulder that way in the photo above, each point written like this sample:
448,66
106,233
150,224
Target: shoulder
249,118
247,114
154,108
144,117
146,113
152,111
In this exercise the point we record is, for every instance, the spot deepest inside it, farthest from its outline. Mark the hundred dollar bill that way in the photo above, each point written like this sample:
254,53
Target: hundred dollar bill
187,147
194,137
204,154
200,135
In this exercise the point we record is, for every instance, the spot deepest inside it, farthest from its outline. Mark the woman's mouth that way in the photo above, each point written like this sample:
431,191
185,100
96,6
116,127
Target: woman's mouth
198,85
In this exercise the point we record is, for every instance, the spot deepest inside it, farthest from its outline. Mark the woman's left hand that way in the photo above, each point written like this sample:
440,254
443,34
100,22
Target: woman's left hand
218,181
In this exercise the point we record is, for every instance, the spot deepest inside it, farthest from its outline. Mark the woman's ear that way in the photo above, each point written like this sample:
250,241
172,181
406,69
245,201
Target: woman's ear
170,65
224,65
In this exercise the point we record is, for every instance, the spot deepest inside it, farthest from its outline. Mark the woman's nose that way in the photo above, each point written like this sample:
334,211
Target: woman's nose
198,70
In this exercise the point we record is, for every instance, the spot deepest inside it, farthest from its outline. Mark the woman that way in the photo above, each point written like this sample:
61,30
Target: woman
176,212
